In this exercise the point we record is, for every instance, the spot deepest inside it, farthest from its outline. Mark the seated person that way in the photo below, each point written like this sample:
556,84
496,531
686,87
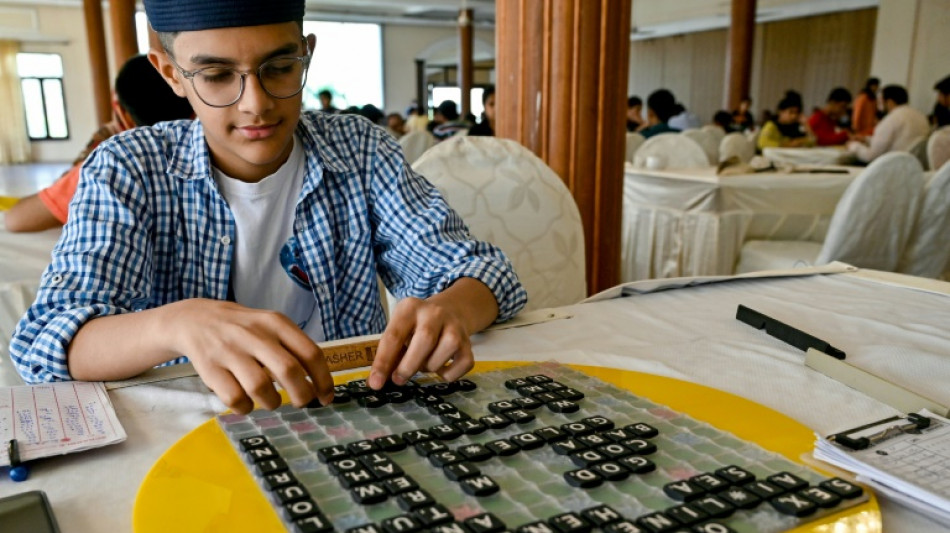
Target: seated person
900,128
486,126
635,120
824,121
241,239
661,106
684,119
326,102
864,113
742,118
723,119
941,114
447,122
141,98
395,125
786,129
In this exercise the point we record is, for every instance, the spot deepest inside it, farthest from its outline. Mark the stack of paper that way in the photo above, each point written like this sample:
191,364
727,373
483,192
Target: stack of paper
56,418
908,465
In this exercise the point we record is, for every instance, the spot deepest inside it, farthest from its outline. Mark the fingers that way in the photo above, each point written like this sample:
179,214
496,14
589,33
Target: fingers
309,358
421,337
392,343
228,390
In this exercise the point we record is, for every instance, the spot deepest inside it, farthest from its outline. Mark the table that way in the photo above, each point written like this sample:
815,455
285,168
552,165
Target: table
24,256
688,334
691,222
830,155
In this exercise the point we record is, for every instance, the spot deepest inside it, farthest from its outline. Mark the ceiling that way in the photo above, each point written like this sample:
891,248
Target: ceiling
650,18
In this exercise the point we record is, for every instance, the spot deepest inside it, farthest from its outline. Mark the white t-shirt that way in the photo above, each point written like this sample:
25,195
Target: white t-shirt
264,271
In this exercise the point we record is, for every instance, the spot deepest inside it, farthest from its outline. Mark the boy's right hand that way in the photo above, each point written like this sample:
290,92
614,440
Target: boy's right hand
239,352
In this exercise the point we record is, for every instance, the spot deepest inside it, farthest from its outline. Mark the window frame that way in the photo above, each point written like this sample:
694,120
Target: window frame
42,93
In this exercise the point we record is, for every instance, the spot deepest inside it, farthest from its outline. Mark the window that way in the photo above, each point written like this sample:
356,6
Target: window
441,94
347,61
41,81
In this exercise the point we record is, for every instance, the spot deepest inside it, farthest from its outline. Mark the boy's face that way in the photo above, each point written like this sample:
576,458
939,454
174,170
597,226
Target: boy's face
250,139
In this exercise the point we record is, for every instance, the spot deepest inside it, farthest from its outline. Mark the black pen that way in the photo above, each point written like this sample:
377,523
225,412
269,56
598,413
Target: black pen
785,333
18,470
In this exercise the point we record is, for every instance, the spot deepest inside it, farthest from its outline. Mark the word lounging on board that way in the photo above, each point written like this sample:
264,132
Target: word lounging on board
533,449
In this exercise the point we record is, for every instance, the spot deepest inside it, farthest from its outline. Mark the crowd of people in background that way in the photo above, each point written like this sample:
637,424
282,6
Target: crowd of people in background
446,121
875,122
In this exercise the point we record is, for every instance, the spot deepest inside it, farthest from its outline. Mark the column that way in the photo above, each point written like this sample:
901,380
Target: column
98,61
122,24
739,52
422,87
561,91
465,69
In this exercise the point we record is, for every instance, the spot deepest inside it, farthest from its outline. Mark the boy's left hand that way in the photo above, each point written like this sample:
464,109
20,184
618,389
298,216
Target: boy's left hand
432,335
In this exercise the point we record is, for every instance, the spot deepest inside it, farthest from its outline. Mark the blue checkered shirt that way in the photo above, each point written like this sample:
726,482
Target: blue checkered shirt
148,227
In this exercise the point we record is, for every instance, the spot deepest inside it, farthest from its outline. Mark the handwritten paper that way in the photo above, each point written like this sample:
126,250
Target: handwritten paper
56,418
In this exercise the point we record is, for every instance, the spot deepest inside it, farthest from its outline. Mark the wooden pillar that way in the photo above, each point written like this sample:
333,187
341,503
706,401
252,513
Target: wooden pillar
465,70
98,61
422,88
739,53
122,23
561,91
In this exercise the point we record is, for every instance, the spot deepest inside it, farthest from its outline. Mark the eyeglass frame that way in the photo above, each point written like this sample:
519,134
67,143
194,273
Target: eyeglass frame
190,75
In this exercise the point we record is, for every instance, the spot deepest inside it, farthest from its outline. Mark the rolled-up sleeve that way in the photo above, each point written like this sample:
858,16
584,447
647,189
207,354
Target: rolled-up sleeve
98,267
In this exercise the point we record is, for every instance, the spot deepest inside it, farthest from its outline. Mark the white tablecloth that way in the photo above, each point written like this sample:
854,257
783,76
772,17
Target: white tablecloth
830,155
691,222
689,334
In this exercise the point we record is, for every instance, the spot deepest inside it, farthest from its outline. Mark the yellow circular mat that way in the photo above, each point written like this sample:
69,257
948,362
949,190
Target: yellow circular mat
200,483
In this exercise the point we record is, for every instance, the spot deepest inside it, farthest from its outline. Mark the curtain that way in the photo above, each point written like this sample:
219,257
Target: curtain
14,142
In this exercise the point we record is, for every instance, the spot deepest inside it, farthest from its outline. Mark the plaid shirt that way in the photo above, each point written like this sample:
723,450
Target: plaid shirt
148,227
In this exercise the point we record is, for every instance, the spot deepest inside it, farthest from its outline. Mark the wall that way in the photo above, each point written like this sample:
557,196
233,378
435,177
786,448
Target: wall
911,47
401,46
811,55
60,23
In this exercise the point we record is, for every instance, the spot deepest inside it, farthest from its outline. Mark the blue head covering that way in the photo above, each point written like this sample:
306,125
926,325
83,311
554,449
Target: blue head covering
192,15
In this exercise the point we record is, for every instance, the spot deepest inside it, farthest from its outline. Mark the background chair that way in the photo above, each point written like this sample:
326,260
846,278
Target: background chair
938,148
928,251
736,145
415,143
707,142
869,228
634,140
715,132
509,197
670,150
918,149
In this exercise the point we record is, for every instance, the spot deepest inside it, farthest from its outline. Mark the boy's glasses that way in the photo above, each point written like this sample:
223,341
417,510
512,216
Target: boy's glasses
280,77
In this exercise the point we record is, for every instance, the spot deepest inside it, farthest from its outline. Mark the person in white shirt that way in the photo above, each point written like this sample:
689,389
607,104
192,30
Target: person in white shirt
897,131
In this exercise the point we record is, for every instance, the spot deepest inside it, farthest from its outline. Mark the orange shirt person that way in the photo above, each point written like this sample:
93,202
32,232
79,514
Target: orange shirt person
865,110
141,98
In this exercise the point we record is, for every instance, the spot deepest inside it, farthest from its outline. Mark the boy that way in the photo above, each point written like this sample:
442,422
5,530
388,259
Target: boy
142,98
240,239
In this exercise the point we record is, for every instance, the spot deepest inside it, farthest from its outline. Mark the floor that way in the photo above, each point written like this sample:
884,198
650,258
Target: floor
23,180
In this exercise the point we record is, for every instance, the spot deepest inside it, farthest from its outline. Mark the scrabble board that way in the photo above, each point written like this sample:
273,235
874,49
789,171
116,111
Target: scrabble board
543,448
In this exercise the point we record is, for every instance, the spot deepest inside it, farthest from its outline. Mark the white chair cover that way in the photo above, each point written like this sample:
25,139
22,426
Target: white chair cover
736,145
869,229
928,252
634,140
717,133
938,148
670,150
415,143
705,141
511,198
